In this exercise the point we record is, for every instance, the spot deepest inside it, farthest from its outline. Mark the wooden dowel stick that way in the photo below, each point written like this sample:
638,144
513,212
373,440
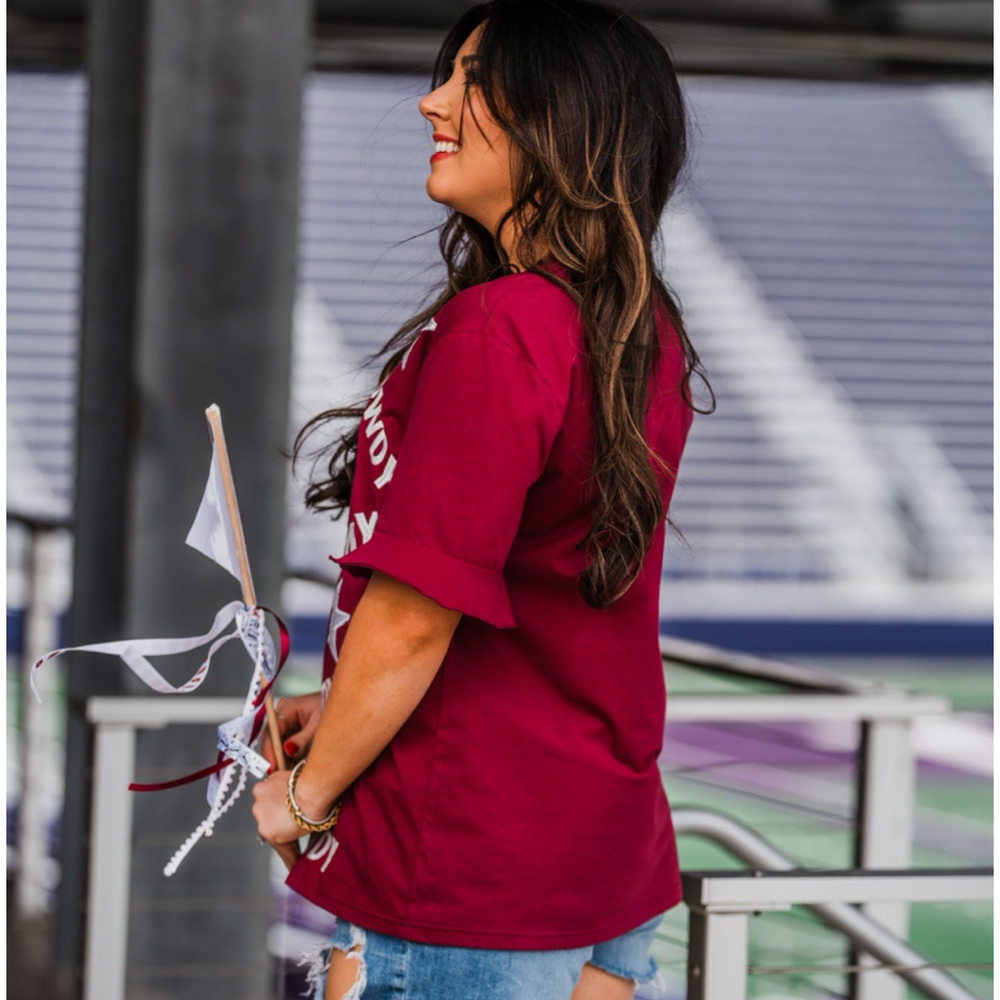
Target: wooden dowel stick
289,852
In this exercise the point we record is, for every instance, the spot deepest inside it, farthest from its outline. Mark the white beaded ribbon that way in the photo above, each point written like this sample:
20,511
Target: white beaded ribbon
234,737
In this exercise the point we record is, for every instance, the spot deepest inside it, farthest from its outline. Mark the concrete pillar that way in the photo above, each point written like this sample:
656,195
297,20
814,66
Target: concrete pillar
191,238
217,288
116,39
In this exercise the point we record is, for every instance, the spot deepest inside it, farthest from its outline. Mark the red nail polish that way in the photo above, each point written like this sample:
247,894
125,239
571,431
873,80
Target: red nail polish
289,749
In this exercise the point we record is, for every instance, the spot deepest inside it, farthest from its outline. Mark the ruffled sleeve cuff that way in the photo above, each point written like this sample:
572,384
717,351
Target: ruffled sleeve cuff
450,582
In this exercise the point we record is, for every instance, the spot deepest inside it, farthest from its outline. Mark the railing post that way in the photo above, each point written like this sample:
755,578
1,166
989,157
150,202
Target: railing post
831,896
110,864
37,725
718,950
884,834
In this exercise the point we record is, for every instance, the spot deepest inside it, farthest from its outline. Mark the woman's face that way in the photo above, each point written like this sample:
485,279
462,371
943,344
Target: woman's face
473,178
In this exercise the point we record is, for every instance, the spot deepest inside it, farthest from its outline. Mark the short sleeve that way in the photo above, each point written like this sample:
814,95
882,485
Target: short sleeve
477,437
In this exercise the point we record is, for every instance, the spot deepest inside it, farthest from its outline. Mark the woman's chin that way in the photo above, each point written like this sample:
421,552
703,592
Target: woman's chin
438,190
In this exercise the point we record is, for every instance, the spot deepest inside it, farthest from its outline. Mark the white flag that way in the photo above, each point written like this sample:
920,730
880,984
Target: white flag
212,532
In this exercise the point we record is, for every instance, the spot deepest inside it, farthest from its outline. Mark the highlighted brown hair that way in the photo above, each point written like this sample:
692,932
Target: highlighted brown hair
591,103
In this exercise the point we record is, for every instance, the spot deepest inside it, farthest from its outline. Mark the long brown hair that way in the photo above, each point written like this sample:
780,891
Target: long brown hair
597,122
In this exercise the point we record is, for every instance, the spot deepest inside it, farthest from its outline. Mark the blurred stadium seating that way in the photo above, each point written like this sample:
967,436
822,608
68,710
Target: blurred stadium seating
832,250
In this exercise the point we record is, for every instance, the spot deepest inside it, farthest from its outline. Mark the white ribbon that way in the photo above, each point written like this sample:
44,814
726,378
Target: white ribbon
233,737
134,652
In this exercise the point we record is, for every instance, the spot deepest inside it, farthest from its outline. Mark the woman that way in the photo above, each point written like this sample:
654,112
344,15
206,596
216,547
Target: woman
487,733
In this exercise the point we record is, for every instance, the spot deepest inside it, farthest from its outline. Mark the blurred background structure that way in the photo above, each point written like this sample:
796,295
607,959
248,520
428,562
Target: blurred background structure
212,201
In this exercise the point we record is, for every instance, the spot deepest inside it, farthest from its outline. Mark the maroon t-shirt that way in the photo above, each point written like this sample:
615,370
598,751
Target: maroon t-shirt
520,806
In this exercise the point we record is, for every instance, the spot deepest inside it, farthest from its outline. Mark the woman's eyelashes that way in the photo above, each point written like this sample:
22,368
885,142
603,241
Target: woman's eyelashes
470,66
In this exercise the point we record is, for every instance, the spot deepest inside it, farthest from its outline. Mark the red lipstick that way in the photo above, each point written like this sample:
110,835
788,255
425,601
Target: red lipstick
441,137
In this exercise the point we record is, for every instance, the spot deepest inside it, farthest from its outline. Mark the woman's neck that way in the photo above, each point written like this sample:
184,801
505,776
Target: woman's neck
518,257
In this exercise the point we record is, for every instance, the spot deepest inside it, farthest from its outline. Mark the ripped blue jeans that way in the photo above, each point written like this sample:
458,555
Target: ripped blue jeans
391,968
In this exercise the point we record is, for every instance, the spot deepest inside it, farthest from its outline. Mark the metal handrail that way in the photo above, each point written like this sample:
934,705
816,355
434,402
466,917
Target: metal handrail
39,522
867,934
687,652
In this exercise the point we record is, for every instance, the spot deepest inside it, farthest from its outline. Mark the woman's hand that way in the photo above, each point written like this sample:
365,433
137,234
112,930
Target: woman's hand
274,822
297,721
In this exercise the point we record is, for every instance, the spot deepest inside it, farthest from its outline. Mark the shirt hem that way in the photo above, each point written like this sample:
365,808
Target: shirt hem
424,933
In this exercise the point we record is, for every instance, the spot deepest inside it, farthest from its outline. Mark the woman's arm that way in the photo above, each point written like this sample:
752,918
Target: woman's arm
394,646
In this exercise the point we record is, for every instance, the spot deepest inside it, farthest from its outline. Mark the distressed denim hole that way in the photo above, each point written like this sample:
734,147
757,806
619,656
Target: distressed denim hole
355,951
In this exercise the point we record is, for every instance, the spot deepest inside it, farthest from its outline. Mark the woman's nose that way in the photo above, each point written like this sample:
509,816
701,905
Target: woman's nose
434,106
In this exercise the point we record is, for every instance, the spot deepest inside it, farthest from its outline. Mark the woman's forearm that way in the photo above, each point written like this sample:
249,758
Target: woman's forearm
395,643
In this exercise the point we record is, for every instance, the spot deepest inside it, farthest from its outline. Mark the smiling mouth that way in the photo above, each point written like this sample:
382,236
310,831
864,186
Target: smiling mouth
444,148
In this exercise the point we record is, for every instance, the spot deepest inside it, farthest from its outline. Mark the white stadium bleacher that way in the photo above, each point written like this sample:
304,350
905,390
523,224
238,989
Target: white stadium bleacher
832,251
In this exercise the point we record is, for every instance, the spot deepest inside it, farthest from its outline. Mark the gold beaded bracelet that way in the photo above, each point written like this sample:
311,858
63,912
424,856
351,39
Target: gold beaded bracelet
304,823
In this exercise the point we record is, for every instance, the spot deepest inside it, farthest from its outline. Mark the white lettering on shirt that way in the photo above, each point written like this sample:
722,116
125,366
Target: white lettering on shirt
390,468
338,617
375,404
379,448
378,452
366,523
352,539
431,326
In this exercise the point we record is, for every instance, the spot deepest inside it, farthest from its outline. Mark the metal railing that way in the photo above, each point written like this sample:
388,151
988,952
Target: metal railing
116,722
885,785
884,817
721,903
